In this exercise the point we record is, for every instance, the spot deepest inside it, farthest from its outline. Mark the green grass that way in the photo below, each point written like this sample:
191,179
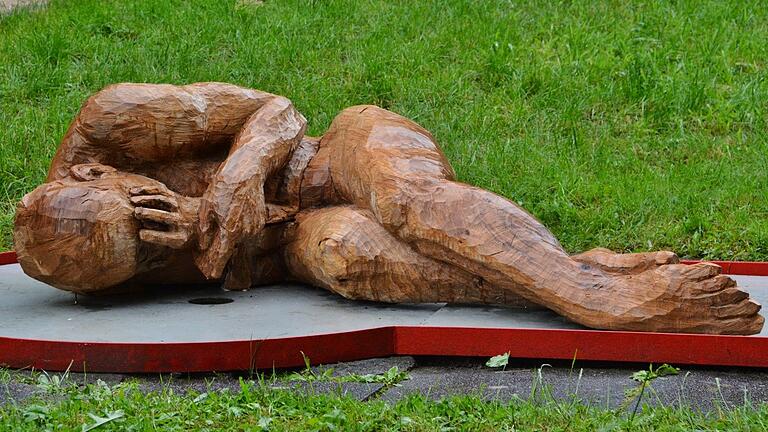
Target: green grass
64,405
629,125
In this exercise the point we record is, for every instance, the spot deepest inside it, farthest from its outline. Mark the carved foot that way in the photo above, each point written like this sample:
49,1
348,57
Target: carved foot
681,298
631,263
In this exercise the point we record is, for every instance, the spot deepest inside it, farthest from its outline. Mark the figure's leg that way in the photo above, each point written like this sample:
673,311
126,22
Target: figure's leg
390,165
345,250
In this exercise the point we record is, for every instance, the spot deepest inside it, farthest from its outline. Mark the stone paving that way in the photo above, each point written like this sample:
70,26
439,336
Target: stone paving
9,5
600,385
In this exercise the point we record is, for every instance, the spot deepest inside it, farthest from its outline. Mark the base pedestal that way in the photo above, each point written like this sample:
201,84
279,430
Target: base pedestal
207,329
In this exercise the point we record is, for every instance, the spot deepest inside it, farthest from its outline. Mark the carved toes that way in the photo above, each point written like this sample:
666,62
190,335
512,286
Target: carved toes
665,257
744,308
703,271
705,300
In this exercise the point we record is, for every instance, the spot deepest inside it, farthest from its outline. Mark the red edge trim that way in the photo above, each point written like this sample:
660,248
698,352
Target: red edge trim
585,345
8,258
195,356
743,268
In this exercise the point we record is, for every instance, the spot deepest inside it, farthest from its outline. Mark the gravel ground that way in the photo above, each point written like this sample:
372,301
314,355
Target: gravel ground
603,385
8,5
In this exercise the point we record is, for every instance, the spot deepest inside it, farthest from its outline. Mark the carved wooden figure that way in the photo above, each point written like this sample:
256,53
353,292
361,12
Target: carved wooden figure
168,184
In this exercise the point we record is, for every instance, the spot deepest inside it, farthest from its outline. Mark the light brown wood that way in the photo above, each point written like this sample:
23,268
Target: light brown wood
179,184
345,250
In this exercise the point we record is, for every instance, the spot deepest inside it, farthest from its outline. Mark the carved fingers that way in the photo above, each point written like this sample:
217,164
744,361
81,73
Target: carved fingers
212,260
174,240
160,202
157,218
168,219
228,216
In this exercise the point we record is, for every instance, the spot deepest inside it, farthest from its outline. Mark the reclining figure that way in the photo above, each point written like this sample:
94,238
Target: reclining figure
210,181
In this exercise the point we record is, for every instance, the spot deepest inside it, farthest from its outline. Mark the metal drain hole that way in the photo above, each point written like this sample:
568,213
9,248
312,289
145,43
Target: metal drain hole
211,300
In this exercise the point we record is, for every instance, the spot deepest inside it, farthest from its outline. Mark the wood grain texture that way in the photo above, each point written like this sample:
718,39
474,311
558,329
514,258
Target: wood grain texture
177,184
344,249
82,236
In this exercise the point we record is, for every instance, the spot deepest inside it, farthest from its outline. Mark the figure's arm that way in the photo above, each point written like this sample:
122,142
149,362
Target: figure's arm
172,220
233,207
128,125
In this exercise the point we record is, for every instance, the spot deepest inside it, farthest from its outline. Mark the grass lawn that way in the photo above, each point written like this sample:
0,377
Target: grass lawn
256,406
629,126
632,127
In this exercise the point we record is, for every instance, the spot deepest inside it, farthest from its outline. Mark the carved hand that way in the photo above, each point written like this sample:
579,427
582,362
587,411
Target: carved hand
229,213
168,219
233,208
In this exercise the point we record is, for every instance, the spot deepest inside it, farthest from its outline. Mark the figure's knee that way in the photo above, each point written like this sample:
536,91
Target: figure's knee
345,250
350,129
381,128
380,160
320,251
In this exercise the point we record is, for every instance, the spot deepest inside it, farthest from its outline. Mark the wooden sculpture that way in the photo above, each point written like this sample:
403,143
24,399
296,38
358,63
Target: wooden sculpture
168,184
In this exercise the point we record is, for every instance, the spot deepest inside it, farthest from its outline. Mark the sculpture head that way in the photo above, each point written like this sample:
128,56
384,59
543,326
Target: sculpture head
80,234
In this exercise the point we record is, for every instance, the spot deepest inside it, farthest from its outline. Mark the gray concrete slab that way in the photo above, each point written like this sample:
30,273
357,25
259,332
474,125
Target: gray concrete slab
14,392
355,390
701,389
33,310
494,317
369,366
757,287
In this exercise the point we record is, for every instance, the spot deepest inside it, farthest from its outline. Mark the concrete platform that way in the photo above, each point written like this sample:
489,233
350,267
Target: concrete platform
39,321
33,310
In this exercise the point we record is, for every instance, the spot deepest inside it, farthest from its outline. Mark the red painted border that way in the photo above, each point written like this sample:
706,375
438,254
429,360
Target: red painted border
7,258
618,346
195,356
585,345
743,268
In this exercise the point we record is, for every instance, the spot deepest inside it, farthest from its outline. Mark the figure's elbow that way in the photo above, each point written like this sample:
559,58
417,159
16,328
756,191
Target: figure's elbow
293,122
